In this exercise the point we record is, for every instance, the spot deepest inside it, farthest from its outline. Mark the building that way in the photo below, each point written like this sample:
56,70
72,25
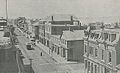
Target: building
35,30
55,25
102,51
72,44
53,34
69,46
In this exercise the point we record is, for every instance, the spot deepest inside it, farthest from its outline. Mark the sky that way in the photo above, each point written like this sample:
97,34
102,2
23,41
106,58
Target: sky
43,8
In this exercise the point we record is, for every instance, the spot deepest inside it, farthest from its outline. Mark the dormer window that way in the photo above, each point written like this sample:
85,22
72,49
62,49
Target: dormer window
105,36
92,35
113,37
102,36
96,36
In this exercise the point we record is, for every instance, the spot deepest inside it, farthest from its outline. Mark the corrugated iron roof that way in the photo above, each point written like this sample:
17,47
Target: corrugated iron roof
73,35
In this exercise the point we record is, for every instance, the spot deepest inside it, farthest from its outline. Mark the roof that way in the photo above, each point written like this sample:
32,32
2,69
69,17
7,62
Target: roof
35,24
73,35
62,17
56,36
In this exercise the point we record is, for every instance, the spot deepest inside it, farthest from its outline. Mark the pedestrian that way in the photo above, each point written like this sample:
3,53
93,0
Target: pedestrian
41,54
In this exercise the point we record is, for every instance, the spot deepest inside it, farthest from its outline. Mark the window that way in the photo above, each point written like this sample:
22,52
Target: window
106,70
85,48
110,57
102,54
96,52
102,36
109,38
105,36
58,51
91,50
91,67
96,36
92,35
113,37
88,66
85,64
95,68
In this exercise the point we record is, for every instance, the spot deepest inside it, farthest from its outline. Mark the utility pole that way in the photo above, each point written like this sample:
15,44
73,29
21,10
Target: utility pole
6,10
30,70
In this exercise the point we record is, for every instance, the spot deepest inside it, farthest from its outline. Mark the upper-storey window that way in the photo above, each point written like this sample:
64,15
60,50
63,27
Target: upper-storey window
102,54
92,35
113,37
102,36
110,56
96,52
105,36
96,36
91,50
85,48
109,37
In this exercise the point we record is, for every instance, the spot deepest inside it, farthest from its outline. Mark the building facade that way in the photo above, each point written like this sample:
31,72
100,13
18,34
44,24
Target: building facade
102,51
69,45
72,44
55,25
51,35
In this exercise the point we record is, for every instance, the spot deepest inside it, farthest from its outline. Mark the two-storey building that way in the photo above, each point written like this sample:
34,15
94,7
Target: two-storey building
68,46
102,51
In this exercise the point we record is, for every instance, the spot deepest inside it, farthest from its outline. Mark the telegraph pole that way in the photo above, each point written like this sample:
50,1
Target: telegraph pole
6,10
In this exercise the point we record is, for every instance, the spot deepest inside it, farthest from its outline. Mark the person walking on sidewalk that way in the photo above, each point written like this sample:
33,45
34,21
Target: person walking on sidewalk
41,53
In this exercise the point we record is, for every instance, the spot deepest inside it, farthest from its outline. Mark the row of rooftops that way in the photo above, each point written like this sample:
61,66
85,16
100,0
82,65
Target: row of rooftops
110,36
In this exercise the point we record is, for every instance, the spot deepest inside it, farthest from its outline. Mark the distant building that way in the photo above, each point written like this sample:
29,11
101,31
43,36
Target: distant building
55,25
102,51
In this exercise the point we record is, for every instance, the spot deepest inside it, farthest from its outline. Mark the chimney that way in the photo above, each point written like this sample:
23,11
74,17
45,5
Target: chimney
52,18
71,20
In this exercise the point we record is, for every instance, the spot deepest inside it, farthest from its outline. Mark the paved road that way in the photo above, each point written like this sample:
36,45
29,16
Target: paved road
44,64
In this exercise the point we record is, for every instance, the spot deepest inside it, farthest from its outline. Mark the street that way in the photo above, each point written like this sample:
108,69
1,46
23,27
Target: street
44,63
